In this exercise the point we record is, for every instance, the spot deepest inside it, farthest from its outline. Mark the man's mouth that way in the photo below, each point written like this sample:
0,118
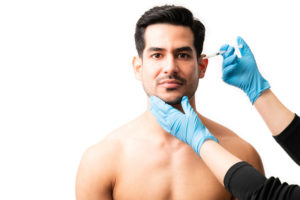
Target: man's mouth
171,83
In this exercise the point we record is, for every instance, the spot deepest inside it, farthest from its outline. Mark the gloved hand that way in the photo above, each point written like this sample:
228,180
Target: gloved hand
186,126
243,72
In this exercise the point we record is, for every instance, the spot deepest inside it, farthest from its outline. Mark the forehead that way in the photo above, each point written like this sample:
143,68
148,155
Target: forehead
168,36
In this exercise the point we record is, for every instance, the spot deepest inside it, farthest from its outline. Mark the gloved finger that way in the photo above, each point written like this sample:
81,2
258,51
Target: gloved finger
245,49
229,61
160,117
229,72
229,52
163,107
224,48
187,108
159,104
156,114
159,114
186,105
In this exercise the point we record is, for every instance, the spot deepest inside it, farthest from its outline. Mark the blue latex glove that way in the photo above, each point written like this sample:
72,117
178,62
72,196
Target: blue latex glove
243,72
186,126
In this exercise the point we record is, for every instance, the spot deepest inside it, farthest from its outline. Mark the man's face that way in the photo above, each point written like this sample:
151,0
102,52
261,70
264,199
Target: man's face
169,67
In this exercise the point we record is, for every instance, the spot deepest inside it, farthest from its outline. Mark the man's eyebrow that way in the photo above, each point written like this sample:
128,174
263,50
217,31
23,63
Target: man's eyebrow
186,48
155,49
180,49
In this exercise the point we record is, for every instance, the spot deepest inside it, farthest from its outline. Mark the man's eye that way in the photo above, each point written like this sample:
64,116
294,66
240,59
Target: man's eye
156,55
183,55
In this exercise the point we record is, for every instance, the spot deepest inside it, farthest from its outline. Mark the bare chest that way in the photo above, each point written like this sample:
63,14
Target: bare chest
159,173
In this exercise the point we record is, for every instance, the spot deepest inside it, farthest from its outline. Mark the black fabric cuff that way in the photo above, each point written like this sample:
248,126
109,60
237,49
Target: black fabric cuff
289,139
242,180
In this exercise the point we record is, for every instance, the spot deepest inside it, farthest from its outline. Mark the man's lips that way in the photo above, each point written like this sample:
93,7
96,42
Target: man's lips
170,83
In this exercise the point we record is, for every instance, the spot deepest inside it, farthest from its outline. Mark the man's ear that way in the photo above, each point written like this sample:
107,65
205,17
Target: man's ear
137,67
202,64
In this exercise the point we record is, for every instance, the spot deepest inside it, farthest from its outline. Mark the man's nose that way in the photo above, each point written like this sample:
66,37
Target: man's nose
170,65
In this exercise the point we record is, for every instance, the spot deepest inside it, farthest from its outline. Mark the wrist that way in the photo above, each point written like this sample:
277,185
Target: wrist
218,159
206,145
258,87
209,138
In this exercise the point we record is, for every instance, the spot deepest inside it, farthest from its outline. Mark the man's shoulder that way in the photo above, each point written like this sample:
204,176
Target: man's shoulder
97,169
233,143
103,154
221,132
112,143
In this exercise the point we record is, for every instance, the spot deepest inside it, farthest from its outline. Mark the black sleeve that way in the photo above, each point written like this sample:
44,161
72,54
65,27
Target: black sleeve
245,182
289,139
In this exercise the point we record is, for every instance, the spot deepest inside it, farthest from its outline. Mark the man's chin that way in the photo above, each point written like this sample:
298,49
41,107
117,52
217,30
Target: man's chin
172,101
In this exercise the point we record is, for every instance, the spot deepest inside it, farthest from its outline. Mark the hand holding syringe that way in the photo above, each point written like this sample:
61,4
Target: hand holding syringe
242,72
218,53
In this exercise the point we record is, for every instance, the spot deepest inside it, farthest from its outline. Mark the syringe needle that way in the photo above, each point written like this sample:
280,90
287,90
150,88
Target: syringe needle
214,54
218,53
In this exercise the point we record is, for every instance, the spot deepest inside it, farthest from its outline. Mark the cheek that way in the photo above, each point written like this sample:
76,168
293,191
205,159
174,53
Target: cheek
192,73
148,78
192,81
150,73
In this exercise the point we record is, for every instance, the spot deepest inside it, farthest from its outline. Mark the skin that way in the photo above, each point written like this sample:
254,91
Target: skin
276,116
142,161
164,58
274,113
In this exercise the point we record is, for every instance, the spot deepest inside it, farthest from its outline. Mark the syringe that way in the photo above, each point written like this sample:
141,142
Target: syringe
218,53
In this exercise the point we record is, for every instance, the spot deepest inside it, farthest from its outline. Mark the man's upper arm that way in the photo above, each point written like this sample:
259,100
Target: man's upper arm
234,144
246,152
253,158
95,177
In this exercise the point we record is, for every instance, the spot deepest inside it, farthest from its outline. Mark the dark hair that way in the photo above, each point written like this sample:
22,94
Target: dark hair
170,14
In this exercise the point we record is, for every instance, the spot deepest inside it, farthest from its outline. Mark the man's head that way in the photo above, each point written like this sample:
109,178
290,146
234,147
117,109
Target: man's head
169,42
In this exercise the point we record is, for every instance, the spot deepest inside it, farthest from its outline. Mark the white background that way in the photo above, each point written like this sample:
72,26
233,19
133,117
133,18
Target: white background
66,81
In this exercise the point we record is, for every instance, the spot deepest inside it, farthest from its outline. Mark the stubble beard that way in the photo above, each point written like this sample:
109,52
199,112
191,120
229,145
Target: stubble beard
175,101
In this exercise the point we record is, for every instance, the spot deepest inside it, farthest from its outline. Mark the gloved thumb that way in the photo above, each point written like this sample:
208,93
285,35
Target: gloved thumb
186,105
245,50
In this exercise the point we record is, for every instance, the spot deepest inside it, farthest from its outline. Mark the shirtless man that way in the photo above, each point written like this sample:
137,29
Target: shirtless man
142,161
